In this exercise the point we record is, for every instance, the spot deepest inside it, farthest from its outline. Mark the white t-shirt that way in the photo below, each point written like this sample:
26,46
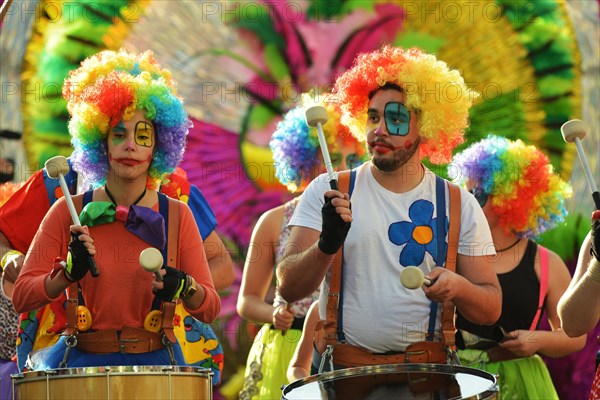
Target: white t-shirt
390,231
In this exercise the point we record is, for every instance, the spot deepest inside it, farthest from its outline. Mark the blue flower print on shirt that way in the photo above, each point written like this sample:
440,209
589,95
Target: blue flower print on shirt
419,234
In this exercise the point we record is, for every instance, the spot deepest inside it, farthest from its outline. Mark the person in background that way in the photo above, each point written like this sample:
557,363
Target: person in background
521,197
579,307
300,364
8,332
298,159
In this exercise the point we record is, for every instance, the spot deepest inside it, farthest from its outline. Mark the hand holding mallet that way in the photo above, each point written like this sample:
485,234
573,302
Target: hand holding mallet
316,117
414,278
56,168
574,131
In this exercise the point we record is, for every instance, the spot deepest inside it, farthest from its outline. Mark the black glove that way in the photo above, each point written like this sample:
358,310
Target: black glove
175,283
334,229
78,260
595,242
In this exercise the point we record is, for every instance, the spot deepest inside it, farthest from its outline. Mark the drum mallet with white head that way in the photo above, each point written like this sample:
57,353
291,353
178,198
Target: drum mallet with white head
574,131
151,260
316,117
56,168
414,278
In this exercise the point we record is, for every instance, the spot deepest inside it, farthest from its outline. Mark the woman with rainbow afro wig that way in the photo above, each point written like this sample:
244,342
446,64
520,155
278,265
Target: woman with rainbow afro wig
435,92
297,157
109,87
129,131
521,197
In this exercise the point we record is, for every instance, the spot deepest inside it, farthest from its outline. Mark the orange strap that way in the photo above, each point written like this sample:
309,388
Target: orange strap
448,309
73,289
333,299
168,308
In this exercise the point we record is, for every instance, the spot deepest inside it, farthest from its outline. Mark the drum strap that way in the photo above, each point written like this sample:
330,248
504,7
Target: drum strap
334,299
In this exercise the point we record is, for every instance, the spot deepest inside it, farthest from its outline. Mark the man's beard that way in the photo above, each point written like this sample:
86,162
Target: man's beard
398,159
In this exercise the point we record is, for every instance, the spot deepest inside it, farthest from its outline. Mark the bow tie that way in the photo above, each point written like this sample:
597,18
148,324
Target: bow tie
143,222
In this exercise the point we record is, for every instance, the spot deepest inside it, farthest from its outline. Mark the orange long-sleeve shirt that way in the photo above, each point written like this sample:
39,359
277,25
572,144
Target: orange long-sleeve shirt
122,294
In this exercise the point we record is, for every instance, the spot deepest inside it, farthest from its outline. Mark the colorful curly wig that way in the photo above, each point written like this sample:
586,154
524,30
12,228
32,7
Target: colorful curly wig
111,86
437,93
528,197
295,145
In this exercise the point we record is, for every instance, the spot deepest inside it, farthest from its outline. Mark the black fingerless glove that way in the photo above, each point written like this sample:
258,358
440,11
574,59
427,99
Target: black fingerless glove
78,263
334,229
175,283
595,242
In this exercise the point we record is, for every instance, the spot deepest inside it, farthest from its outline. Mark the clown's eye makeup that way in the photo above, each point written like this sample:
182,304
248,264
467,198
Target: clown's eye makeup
144,134
118,133
397,118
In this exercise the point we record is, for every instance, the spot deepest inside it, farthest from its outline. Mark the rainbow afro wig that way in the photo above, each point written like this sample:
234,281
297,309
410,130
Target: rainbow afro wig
436,93
111,86
528,197
295,145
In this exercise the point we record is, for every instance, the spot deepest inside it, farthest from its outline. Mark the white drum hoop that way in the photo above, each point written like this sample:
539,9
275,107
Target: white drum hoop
489,385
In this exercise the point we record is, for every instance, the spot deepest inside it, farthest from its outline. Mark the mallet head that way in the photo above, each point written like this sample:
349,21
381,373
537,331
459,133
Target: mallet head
412,278
572,129
151,259
316,114
57,166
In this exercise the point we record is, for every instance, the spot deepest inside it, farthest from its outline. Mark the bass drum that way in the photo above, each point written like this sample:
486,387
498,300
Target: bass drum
396,381
121,382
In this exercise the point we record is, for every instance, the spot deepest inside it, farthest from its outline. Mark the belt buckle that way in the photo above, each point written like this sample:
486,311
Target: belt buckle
123,342
408,354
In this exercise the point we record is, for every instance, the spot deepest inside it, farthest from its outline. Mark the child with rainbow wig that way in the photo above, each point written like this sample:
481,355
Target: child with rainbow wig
128,131
397,100
521,197
297,157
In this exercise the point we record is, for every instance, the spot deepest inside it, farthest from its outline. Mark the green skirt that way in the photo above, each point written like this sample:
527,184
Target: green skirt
521,378
268,361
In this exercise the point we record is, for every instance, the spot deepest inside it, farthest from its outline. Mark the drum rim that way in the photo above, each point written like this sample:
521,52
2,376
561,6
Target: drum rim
115,370
396,368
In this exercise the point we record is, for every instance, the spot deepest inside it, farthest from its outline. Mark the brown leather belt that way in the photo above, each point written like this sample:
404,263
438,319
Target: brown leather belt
128,340
422,352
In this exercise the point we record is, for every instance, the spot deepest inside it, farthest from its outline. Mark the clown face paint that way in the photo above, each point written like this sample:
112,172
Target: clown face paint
397,119
118,134
144,134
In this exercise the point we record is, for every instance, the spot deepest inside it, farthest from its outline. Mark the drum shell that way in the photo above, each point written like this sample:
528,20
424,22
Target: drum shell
115,382
406,381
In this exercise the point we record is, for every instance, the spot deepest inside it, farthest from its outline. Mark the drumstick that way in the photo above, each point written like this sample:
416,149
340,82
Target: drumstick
56,168
316,116
152,260
574,131
413,278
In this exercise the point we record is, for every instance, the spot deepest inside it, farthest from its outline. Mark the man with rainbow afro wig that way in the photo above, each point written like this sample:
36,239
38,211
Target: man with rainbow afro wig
129,131
521,197
398,218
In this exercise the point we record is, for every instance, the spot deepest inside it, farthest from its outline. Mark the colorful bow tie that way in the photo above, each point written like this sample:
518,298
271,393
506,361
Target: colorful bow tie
143,222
